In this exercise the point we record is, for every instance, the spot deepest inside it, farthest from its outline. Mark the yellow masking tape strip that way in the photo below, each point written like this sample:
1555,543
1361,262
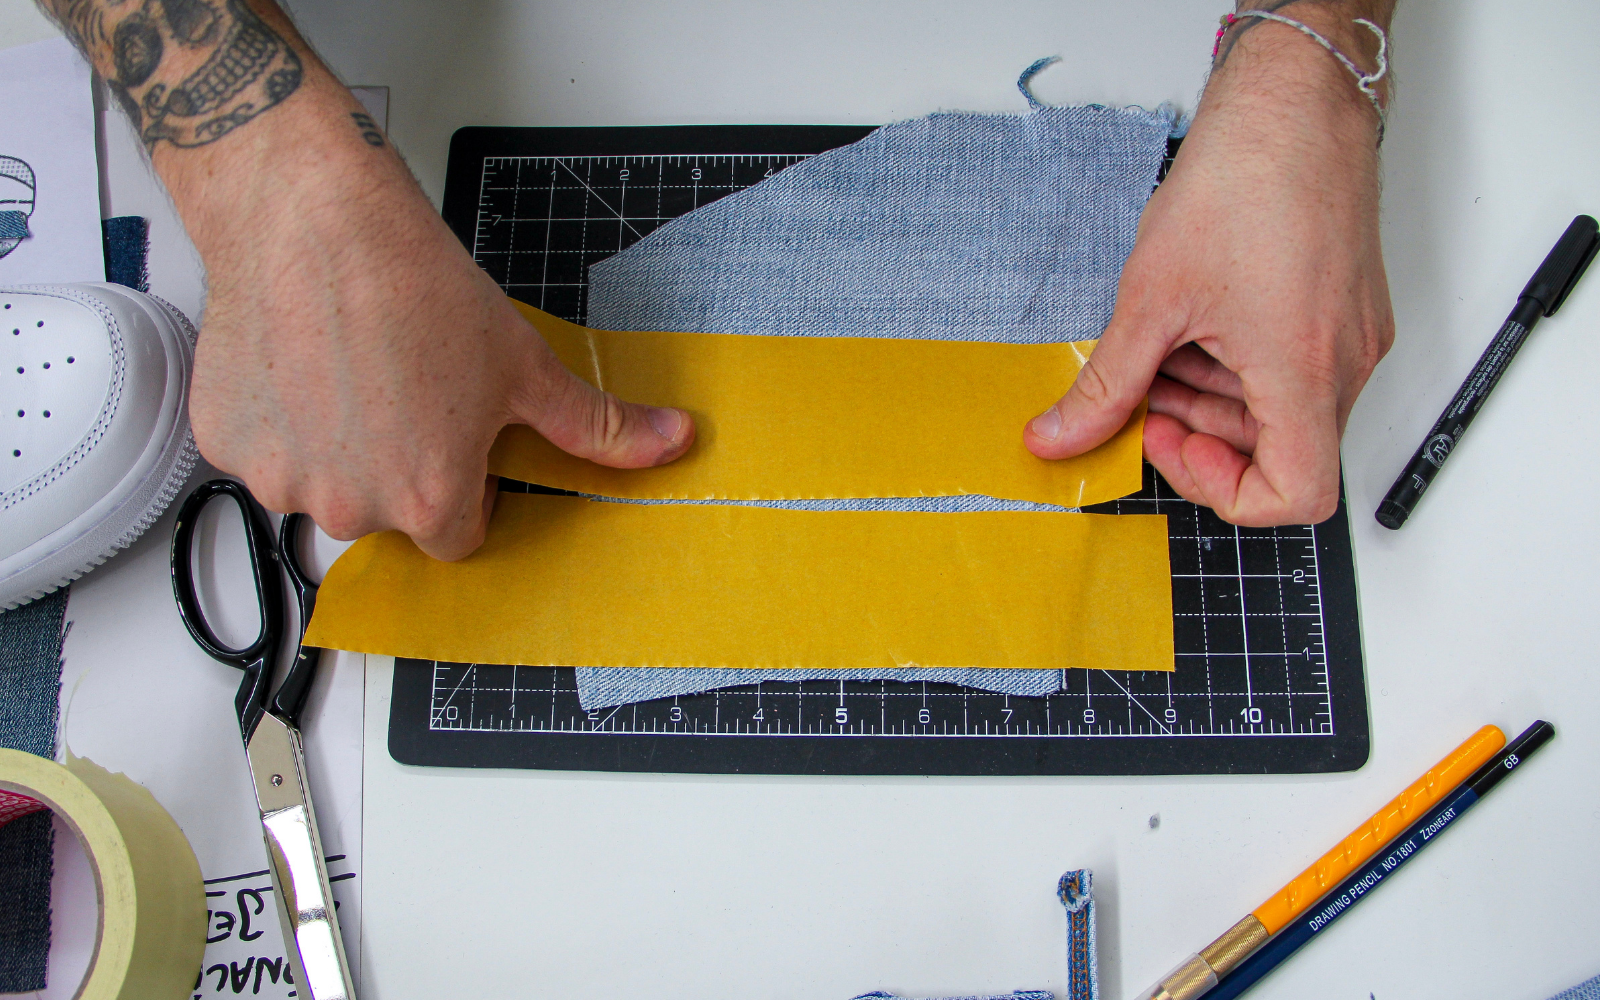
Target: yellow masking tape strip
152,933
566,581
826,417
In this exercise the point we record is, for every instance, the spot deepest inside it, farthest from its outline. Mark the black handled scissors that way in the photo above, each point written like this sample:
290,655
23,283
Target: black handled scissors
270,727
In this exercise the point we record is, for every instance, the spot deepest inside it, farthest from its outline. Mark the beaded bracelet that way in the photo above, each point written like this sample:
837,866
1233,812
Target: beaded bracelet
1364,81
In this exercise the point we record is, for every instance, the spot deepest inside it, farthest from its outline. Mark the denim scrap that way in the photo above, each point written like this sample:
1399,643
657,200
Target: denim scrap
13,225
27,849
1587,990
1076,892
127,248
30,674
955,226
608,687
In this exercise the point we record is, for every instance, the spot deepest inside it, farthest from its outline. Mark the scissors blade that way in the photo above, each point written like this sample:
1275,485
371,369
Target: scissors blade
294,854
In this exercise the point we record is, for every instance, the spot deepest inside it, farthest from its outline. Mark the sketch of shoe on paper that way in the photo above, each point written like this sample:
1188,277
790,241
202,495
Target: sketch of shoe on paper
17,189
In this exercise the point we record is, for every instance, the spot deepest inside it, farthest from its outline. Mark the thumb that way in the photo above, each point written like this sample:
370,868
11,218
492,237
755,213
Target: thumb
584,421
1113,381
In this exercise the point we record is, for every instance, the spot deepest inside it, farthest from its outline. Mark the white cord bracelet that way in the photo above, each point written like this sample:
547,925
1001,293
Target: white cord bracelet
1364,81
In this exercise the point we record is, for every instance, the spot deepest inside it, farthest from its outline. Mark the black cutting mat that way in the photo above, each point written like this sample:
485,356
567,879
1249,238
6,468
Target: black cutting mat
1269,671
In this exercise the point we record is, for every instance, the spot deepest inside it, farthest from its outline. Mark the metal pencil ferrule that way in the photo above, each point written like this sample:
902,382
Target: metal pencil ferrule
1192,978
1235,945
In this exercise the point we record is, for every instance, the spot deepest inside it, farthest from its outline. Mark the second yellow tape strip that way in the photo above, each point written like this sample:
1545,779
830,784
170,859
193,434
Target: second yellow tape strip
566,581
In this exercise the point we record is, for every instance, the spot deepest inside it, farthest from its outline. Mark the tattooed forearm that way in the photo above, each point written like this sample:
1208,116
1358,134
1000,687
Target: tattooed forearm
187,72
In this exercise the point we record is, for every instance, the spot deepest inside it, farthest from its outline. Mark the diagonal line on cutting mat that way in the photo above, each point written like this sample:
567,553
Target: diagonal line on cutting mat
1136,701
469,672
596,195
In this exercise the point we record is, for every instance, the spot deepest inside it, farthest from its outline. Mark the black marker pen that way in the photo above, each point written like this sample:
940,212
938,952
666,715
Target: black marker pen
1542,297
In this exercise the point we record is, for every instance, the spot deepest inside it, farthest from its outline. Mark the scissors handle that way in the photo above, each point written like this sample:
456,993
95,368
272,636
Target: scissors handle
290,699
256,658
272,739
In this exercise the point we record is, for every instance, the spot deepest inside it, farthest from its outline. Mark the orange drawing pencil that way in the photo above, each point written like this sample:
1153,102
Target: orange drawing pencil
1198,973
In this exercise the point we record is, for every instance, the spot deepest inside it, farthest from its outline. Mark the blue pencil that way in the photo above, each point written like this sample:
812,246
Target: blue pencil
1384,864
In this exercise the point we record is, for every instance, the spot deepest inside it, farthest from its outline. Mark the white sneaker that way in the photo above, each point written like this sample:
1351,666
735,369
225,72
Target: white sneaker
94,427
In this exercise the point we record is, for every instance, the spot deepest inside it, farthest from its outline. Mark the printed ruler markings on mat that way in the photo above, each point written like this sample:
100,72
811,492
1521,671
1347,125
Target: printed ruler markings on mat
1269,675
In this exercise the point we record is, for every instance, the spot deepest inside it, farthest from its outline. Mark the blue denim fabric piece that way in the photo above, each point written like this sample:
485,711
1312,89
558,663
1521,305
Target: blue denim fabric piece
955,226
608,687
13,225
127,246
1589,990
1076,892
30,686
27,861
30,674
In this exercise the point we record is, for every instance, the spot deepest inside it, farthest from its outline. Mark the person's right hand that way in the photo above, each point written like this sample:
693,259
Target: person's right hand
1255,304
354,363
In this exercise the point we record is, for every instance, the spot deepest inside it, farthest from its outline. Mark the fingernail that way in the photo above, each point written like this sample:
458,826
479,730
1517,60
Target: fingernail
1048,424
666,421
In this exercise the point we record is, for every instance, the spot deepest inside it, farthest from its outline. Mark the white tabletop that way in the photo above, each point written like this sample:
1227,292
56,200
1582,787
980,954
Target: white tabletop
1481,610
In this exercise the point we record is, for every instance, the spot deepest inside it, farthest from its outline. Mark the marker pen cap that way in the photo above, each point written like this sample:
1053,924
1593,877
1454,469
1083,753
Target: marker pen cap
1391,515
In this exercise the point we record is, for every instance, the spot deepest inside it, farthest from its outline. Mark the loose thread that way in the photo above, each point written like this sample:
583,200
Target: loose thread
1025,81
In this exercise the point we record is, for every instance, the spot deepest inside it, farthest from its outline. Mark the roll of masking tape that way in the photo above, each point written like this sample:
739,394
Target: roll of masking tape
151,936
